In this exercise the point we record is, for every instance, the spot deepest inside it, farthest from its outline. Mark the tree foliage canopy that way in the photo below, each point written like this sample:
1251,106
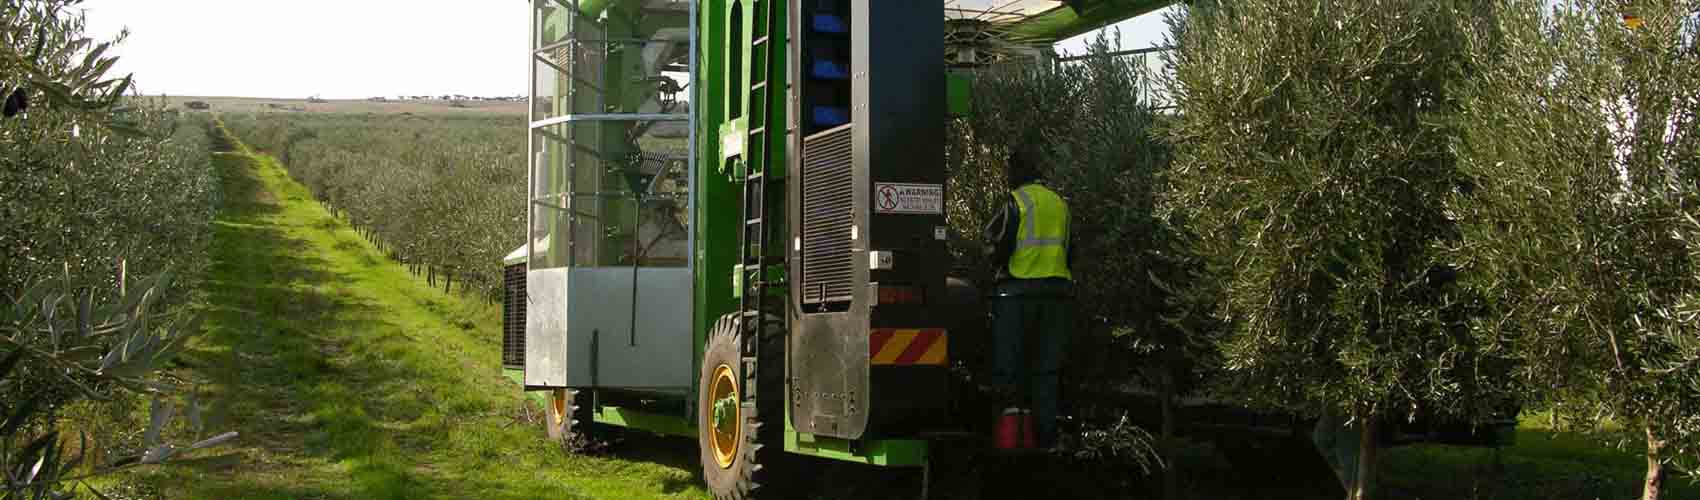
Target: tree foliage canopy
1313,150
91,184
87,179
1584,136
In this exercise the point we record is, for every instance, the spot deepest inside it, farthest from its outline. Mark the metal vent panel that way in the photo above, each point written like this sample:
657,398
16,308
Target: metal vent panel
828,216
513,316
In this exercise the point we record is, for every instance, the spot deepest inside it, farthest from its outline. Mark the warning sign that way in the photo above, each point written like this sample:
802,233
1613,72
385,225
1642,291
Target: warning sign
901,198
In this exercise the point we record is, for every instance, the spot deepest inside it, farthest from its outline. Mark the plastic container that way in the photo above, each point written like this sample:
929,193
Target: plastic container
1014,430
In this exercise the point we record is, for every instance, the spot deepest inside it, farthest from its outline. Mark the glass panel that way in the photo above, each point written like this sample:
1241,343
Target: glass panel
664,216
616,179
548,218
593,76
548,90
610,180
615,60
551,20
603,229
655,75
569,77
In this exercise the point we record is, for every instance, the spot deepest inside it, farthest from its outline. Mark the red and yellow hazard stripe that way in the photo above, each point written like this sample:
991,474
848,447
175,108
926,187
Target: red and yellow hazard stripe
923,346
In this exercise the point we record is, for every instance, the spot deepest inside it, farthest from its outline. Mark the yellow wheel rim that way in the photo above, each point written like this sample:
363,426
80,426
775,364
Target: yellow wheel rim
559,417
725,431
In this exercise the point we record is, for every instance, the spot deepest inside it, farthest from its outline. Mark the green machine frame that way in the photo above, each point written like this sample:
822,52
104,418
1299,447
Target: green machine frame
633,191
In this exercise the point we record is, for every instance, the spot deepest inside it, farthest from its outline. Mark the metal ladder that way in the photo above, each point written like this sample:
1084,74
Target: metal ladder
758,159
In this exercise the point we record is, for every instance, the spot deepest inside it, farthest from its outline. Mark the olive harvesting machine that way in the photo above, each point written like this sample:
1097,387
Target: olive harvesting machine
736,225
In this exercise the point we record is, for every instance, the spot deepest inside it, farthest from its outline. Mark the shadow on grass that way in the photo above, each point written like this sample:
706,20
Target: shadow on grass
276,375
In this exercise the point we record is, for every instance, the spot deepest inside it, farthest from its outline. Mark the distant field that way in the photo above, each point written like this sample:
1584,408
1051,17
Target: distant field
431,106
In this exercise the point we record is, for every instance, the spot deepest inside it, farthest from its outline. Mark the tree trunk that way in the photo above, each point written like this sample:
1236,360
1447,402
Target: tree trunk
430,276
1655,467
1363,487
1171,481
448,282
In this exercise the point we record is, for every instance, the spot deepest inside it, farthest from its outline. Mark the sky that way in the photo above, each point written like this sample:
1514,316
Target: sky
348,49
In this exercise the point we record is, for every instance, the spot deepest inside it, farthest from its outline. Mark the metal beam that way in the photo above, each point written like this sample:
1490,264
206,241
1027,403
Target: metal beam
1119,53
1063,22
612,117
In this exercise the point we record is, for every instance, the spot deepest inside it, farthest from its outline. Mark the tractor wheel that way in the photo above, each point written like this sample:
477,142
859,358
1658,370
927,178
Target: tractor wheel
567,420
741,450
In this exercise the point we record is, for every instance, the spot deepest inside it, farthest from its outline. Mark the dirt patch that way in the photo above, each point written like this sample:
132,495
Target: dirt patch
264,197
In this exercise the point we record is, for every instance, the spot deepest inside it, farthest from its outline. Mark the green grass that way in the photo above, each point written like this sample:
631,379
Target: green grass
1543,465
349,378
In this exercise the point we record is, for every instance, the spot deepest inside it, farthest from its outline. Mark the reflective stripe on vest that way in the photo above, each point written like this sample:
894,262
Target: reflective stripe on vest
1041,244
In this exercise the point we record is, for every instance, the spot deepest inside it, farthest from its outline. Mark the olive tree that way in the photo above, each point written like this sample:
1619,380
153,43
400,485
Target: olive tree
1313,154
1584,139
61,344
88,179
91,185
43,56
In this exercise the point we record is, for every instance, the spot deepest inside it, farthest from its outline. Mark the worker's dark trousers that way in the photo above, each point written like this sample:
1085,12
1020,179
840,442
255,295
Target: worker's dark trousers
1029,334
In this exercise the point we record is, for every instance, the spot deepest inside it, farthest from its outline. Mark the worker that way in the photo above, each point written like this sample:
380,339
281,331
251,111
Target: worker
1032,302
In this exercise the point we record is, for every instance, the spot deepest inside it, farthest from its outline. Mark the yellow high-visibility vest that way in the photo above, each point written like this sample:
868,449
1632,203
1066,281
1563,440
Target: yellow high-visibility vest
1041,243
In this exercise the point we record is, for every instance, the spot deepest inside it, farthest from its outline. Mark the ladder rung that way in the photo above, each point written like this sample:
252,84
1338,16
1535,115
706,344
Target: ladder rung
759,85
760,41
758,130
753,222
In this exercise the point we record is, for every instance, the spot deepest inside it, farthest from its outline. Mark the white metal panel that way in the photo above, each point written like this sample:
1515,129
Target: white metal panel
546,347
644,348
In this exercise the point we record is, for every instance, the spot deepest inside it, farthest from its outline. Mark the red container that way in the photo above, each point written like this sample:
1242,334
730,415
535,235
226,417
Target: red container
1007,433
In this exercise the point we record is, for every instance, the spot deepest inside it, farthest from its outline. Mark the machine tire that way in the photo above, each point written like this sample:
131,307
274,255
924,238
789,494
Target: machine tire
567,420
757,467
